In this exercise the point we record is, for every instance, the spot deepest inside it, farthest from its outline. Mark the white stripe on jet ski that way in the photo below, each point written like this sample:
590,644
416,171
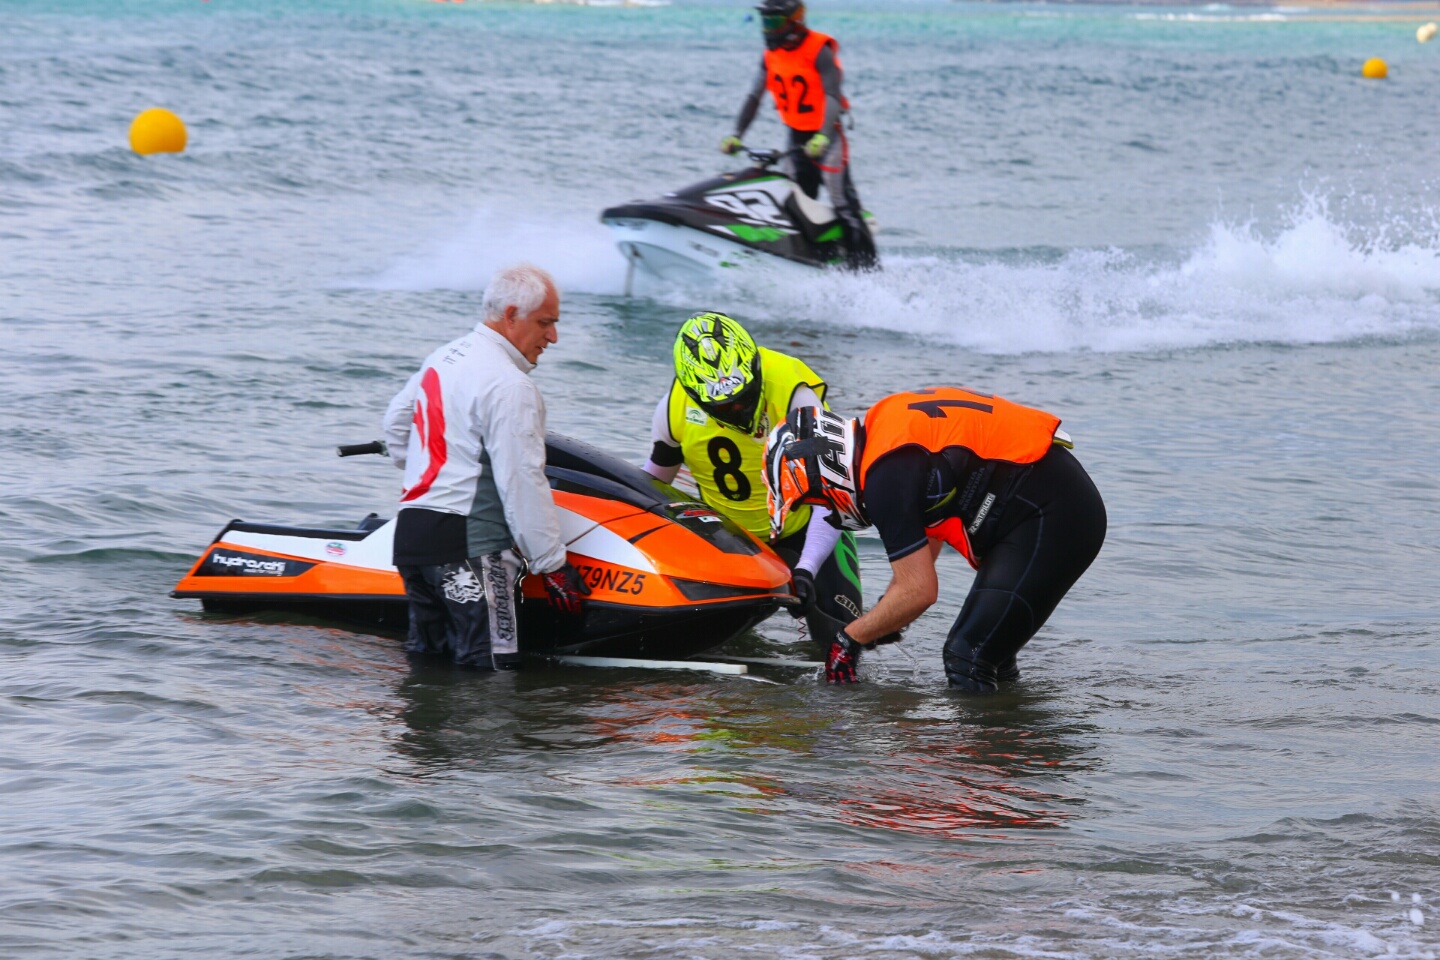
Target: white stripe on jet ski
607,546
375,551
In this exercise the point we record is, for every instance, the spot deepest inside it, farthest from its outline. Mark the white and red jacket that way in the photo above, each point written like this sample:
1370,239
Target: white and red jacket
468,429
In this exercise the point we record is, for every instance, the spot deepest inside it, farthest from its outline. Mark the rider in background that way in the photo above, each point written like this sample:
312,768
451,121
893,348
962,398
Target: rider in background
801,68
727,394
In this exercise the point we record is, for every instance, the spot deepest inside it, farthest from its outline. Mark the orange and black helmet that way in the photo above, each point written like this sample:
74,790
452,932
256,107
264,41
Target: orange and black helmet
814,457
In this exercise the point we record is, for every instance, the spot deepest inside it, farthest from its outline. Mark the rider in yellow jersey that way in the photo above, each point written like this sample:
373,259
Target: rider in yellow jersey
727,395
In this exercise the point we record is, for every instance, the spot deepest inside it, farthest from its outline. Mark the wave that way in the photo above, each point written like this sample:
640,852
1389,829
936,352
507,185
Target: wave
114,555
1311,280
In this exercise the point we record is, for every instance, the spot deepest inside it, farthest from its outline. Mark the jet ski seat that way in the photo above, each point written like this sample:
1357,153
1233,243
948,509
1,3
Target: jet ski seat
816,213
372,521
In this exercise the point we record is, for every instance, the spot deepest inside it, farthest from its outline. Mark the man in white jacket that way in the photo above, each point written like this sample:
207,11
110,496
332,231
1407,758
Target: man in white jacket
468,429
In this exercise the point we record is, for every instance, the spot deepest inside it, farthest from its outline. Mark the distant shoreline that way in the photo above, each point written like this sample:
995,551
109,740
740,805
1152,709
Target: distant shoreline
1382,8
1359,11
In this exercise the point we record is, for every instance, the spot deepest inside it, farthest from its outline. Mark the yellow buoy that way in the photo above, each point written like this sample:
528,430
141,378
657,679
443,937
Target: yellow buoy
157,131
1426,33
1375,69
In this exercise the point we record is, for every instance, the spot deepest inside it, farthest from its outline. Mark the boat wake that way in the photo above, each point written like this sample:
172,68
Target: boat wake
1315,279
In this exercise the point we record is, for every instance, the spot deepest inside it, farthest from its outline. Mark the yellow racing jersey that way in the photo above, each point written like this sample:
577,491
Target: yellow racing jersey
728,464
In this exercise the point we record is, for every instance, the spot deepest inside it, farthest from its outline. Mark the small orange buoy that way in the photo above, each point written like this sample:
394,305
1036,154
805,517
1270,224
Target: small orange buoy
1375,69
157,131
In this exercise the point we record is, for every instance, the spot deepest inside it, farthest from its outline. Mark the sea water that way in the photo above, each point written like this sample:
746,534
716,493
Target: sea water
1195,233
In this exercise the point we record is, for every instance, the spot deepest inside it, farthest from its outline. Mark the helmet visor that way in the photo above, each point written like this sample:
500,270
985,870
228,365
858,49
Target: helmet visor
774,22
738,411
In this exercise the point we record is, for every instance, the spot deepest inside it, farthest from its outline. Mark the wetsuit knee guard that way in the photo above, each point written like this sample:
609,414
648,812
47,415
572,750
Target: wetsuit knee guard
980,670
967,673
449,615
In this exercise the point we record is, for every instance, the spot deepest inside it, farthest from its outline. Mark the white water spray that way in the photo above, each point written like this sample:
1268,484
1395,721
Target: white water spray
576,250
1314,281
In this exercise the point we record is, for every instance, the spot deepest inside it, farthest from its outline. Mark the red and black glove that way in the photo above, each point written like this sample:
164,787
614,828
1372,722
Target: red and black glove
844,659
566,588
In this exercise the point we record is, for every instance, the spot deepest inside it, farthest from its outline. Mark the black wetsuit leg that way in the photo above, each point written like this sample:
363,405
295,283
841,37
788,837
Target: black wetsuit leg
837,587
809,174
1051,530
428,619
859,244
806,171
449,615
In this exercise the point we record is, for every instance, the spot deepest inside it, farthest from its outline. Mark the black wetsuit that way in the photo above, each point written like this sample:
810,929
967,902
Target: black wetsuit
1040,532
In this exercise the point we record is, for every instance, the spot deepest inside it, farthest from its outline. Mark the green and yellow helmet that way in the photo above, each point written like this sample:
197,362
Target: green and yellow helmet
718,365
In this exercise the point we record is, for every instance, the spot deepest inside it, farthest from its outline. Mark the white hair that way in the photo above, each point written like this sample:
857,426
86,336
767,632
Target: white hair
523,286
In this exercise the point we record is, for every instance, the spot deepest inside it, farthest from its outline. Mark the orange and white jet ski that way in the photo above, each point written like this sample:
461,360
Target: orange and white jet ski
669,577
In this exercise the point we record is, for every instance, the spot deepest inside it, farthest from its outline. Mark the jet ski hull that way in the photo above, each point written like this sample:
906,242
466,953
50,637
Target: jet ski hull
669,577
611,630
681,254
743,220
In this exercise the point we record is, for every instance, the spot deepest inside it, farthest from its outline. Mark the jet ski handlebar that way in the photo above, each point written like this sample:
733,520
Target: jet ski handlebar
766,158
361,449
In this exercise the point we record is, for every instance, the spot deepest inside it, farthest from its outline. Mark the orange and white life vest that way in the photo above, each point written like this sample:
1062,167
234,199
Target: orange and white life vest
795,84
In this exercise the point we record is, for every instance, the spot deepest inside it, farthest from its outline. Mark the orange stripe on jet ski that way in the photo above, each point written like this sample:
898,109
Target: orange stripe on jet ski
616,584
682,553
677,551
685,554
321,579
613,583
597,509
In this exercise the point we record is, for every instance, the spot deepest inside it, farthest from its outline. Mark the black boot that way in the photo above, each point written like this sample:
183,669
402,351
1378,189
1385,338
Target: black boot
860,256
967,673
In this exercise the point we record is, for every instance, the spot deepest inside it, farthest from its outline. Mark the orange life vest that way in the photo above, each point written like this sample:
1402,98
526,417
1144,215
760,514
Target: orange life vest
990,427
796,85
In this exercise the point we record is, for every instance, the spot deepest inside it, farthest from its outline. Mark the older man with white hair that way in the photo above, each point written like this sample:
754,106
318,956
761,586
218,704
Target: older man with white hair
468,429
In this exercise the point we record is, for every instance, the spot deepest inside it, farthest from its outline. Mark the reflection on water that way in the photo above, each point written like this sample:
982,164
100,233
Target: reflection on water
895,759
